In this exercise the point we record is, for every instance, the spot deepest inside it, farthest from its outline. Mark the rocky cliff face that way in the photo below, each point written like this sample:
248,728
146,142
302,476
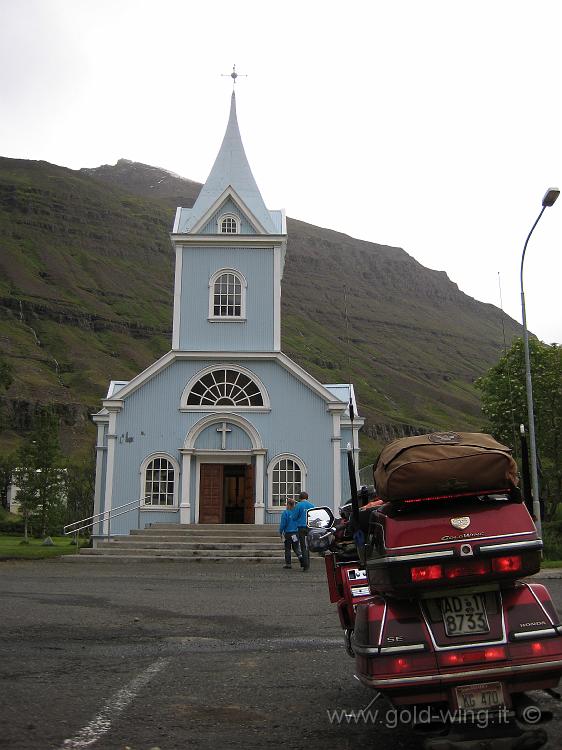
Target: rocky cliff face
149,182
86,283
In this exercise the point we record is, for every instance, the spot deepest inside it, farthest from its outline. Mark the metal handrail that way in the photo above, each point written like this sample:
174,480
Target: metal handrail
100,517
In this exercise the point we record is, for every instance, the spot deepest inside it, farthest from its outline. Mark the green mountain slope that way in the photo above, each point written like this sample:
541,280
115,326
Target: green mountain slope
86,283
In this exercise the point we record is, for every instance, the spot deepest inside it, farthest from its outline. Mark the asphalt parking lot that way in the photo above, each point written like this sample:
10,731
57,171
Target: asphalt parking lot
181,655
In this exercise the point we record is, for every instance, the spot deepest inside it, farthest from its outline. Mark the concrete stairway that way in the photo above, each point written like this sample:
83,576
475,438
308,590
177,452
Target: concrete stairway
194,542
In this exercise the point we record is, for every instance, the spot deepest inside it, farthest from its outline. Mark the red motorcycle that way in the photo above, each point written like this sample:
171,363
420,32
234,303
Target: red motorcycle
437,611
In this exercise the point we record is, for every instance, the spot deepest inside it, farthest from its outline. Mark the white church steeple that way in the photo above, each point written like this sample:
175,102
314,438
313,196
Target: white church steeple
230,176
230,253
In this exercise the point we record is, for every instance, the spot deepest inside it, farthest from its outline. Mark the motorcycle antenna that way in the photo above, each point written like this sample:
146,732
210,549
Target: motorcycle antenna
358,535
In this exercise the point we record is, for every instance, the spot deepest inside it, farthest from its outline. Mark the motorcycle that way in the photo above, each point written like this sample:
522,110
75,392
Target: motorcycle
443,619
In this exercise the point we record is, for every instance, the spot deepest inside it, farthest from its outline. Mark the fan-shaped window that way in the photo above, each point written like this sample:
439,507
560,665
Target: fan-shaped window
159,482
286,480
225,388
229,224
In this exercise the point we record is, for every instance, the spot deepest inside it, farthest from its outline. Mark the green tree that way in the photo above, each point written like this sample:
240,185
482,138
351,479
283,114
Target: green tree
40,476
504,402
7,466
80,485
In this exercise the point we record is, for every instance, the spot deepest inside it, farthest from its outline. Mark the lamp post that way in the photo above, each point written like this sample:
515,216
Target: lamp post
548,200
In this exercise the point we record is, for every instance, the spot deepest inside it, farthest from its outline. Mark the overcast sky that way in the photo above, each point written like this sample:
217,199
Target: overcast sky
432,125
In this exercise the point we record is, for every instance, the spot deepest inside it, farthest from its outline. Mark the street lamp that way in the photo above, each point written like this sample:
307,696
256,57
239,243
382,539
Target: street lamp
548,200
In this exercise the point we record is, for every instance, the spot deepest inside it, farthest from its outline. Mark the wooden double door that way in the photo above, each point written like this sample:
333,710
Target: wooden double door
226,493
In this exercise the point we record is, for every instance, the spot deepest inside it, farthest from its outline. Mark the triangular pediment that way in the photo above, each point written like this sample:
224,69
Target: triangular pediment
228,197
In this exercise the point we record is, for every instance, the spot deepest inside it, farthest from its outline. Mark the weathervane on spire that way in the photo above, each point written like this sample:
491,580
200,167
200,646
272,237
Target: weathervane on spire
234,75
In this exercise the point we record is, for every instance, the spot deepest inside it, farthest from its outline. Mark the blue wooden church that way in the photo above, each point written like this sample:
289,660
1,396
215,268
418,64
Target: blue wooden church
224,427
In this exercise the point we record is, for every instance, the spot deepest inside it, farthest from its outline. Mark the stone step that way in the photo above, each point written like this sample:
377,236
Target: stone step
196,539
192,542
165,543
166,534
223,530
158,551
213,526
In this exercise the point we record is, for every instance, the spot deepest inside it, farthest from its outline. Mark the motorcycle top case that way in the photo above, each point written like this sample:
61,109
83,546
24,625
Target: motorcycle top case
449,544
443,463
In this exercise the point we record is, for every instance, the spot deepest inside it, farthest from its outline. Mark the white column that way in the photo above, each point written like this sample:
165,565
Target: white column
101,451
185,505
277,298
259,505
111,442
336,451
196,498
177,298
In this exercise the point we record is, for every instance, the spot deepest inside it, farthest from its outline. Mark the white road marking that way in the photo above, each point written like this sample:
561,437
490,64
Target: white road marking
101,724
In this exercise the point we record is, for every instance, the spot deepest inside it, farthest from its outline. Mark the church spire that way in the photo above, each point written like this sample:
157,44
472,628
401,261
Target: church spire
231,169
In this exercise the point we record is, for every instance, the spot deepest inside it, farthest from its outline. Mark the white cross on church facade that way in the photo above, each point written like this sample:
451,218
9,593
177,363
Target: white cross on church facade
224,430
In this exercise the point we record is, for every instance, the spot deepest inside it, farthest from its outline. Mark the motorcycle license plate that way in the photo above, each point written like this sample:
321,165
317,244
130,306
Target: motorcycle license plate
487,695
465,614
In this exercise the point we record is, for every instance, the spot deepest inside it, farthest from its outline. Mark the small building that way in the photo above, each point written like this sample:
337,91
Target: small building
12,496
224,427
14,505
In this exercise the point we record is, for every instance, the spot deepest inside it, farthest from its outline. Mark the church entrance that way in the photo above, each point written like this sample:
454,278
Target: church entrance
226,493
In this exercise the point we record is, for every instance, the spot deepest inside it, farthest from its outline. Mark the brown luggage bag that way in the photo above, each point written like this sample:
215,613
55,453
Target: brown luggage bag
444,463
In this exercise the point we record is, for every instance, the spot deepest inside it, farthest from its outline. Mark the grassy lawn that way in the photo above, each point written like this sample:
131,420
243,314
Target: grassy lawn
11,547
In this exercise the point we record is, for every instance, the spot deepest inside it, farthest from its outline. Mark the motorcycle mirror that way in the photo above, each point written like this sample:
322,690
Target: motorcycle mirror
319,518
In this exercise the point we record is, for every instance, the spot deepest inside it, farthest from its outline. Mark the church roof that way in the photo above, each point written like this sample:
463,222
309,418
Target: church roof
344,391
231,169
114,386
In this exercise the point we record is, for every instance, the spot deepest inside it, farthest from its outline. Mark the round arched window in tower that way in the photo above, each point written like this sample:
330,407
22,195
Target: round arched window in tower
229,224
227,296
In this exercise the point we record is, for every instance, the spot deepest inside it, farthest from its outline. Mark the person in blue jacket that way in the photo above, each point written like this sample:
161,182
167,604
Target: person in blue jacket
289,533
300,515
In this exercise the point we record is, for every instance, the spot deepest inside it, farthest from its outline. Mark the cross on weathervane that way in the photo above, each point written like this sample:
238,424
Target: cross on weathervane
224,430
234,75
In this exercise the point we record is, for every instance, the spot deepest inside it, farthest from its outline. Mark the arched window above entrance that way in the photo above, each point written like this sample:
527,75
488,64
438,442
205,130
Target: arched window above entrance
224,389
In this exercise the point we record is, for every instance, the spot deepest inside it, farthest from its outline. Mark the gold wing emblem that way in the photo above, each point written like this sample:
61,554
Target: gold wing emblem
460,523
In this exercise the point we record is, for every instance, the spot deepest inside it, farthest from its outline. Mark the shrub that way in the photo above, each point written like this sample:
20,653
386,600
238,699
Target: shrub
552,538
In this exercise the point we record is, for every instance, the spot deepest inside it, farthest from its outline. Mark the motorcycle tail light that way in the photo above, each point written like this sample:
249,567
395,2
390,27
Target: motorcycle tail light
549,649
426,573
401,664
395,666
474,656
469,568
510,564
494,654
